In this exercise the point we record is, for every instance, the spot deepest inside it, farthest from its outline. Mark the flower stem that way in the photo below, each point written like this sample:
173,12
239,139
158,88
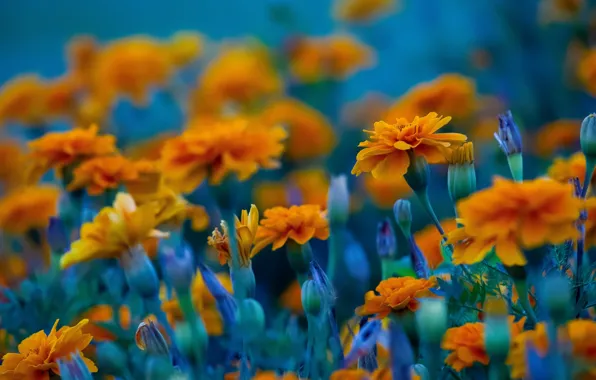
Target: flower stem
516,166
424,199
197,327
229,219
579,259
590,167
524,299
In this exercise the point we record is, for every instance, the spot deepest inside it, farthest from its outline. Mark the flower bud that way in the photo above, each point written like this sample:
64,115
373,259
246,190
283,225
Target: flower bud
421,371
299,256
587,136
112,359
338,200
250,318
418,173
312,299
431,319
140,273
461,175
178,267
148,338
402,210
510,141
497,336
74,368
386,243
417,259
557,294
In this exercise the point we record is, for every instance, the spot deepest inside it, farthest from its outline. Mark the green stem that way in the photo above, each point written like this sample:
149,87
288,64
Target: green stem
336,248
497,369
197,327
590,167
524,299
516,166
230,220
387,268
424,199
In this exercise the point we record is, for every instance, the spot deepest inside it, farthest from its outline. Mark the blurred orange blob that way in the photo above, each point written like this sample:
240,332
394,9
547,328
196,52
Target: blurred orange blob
363,10
103,173
384,191
28,208
20,100
429,241
105,314
560,134
566,169
291,298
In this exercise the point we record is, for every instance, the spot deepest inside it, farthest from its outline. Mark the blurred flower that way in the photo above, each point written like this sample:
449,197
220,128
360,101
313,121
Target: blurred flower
310,133
101,314
397,295
131,67
269,194
60,97
99,174
517,354
384,191
264,375
39,353
336,57
113,232
546,211
312,185
149,149
449,94
185,47
350,374
297,223
147,181
591,224
13,269
559,10
560,134
246,232
58,149
365,111
20,100
566,169
362,10
429,241
28,208
587,71
385,152
484,130
82,52
291,298
237,146
16,167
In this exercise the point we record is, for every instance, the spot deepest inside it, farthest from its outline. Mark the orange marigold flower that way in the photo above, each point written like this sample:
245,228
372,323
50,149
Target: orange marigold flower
105,314
28,208
59,149
397,295
149,149
148,179
246,232
99,174
20,100
512,216
385,153
297,223
234,146
39,353
363,10
269,194
587,71
557,135
449,94
429,241
591,223
185,47
566,169
310,133
59,99
114,231
384,191
517,354
346,55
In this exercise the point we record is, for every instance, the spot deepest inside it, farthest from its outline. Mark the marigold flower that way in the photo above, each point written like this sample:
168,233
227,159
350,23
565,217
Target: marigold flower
363,10
28,208
99,174
82,52
566,169
557,135
59,98
559,10
148,179
449,94
291,298
591,223
39,353
59,149
512,216
185,47
235,146
397,295
297,223
246,232
114,231
16,168
587,71
20,100
517,354
350,374
310,133
385,152
429,241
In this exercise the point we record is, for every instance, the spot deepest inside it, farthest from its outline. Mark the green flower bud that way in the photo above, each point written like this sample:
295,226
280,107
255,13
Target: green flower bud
587,136
338,200
418,173
461,175
140,273
431,319
312,300
250,318
557,294
299,256
112,359
187,343
402,210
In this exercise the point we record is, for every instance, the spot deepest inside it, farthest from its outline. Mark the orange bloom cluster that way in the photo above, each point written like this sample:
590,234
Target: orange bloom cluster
449,94
39,354
587,71
362,10
385,153
99,174
310,133
513,216
297,223
429,241
336,57
396,295
557,135
233,146
565,169
28,208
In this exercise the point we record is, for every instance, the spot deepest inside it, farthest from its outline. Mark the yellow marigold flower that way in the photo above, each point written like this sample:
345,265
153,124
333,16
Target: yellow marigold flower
114,231
385,151
449,94
313,185
131,67
591,223
20,100
185,47
269,194
99,174
291,298
236,146
246,232
59,149
429,241
297,223
384,191
362,10
513,216
105,314
397,295
28,208
566,169
557,135
39,353
310,133
587,71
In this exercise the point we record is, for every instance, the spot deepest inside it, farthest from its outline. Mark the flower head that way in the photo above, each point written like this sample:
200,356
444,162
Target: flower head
385,151
513,216
517,354
39,353
234,146
63,148
185,47
557,135
148,179
362,10
28,208
297,223
20,100
566,169
114,231
103,173
246,232
508,135
396,294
